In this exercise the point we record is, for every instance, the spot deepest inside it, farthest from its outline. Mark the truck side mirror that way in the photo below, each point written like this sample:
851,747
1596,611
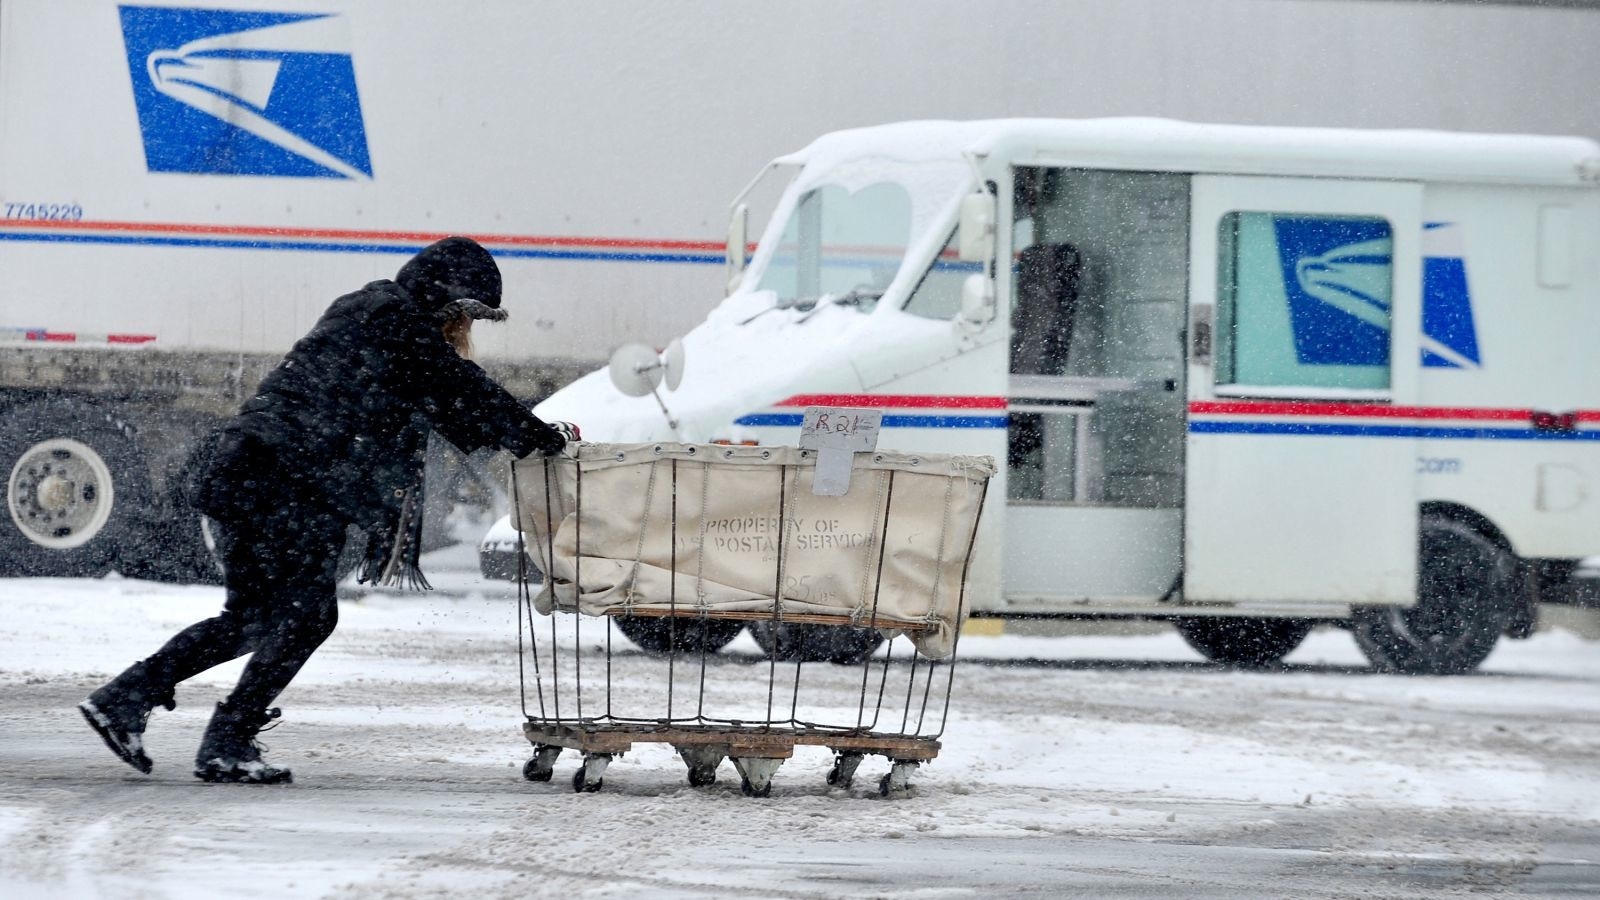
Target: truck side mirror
977,302
738,240
977,227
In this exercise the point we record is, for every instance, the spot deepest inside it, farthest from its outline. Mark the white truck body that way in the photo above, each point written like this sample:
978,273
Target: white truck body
184,187
1276,353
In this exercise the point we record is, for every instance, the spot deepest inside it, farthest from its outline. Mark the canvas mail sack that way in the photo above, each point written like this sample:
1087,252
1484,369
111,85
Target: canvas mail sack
707,527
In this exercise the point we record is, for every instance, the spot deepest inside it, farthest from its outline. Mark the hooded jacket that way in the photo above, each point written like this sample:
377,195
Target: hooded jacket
342,422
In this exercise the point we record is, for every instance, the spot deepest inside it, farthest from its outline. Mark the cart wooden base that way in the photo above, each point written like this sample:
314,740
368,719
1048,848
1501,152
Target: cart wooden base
756,752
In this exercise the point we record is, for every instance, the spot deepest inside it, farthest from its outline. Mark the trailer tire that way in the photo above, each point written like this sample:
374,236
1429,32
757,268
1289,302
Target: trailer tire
660,635
76,485
1243,642
791,641
1466,596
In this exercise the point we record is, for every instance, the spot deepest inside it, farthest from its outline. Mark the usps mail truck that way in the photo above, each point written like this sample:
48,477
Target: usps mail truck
1243,379
185,185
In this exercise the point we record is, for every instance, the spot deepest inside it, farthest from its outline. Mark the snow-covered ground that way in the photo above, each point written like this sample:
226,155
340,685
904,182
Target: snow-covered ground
1093,764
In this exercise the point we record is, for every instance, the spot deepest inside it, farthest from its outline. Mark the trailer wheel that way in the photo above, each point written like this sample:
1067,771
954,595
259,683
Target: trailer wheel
1243,642
790,641
75,486
655,634
1466,595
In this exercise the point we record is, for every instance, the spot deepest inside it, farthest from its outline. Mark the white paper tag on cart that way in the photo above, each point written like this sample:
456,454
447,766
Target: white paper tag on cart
837,433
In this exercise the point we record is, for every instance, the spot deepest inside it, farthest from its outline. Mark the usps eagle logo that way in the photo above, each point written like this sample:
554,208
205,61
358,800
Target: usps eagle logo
230,92
1337,278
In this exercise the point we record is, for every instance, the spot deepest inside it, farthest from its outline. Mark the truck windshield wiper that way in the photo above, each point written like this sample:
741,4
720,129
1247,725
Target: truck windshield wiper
856,296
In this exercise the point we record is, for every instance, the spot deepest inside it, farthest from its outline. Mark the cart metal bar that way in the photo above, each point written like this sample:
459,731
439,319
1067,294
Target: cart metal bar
961,606
756,615
699,587
522,590
944,534
672,593
758,743
877,588
777,589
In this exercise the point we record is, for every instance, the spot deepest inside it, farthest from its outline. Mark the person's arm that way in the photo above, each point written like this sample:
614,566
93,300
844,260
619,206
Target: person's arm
469,409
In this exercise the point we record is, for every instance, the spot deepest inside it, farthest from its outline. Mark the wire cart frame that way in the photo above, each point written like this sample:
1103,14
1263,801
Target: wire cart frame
574,696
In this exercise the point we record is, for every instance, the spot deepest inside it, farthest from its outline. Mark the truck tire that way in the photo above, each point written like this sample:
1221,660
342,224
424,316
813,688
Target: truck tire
1243,642
791,641
658,635
76,485
1466,595
183,558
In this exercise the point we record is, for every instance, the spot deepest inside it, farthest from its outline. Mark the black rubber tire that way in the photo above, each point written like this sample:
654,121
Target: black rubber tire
174,525
532,772
24,428
836,778
700,776
580,787
1243,642
790,641
502,566
660,635
1466,596
749,790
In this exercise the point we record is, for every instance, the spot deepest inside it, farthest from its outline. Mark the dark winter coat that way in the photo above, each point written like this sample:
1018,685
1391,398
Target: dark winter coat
342,424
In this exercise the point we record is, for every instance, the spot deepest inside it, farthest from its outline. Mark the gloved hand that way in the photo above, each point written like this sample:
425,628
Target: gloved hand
568,431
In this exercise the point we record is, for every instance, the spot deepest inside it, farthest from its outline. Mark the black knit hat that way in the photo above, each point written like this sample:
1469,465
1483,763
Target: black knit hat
453,276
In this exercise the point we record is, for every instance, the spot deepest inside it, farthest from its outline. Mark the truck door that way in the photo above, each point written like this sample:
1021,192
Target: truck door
1094,486
1304,327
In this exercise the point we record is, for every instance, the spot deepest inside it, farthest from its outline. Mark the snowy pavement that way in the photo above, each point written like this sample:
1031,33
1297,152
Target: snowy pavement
1072,765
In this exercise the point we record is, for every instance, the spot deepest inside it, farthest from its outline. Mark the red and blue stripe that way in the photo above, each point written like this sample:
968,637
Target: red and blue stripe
1245,417
901,410
1335,419
343,240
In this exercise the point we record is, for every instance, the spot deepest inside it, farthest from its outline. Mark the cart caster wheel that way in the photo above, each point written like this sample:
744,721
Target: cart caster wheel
755,774
703,763
543,763
843,772
589,777
898,782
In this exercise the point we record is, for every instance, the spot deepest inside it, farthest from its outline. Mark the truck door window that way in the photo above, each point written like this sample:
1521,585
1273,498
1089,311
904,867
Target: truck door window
1303,301
938,294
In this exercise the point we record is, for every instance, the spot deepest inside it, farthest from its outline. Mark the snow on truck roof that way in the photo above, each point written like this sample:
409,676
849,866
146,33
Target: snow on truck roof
1169,145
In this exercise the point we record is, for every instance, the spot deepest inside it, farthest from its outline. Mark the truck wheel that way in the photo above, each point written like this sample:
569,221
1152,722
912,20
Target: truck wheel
655,634
1466,594
184,557
75,486
1243,642
790,641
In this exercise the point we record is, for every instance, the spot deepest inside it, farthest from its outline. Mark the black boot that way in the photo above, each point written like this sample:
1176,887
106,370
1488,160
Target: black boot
229,752
119,710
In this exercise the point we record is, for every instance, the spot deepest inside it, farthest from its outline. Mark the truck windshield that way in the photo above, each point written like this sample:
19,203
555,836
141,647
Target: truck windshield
846,239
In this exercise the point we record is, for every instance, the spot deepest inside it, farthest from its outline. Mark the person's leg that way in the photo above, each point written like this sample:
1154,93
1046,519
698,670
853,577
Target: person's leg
297,612
120,709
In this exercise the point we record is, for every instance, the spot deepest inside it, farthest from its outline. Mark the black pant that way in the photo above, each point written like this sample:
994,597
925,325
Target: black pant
281,571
